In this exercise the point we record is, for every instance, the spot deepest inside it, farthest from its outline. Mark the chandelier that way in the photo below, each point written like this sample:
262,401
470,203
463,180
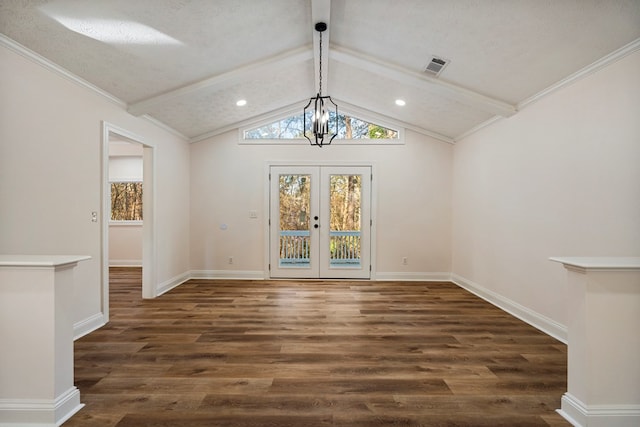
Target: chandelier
323,130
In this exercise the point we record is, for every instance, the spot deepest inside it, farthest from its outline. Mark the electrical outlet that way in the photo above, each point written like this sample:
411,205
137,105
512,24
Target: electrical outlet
230,260
405,261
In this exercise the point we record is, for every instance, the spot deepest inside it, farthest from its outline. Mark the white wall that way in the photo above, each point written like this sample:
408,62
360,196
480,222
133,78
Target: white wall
413,214
560,178
125,238
125,168
50,175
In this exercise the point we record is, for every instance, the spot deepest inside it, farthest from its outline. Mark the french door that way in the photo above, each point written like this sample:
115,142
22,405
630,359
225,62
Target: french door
320,222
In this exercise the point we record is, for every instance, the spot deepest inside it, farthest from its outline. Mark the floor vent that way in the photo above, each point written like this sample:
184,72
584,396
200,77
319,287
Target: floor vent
435,66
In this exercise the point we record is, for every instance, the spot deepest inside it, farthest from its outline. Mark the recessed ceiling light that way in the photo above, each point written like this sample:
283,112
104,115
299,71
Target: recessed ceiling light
241,103
400,102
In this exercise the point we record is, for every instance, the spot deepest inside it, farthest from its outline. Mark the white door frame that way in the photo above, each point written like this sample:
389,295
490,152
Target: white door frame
148,206
373,207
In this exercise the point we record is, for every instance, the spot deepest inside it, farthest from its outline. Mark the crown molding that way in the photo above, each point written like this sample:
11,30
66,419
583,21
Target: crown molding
598,65
38,59
165,127
586,71
16,47
476,128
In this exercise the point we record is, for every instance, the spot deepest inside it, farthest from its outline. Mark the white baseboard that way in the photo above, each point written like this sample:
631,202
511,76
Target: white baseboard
227,274
40,412
125,263
581,415
537,320
88,325
412,276
167,285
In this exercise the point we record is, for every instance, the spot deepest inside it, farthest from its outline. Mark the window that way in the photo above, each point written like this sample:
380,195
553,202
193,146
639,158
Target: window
126,201
349,128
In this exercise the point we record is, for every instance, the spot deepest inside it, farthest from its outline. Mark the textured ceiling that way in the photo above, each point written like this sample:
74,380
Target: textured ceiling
186,63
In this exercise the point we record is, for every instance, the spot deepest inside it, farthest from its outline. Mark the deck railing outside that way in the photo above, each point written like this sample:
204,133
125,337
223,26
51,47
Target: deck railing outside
295,248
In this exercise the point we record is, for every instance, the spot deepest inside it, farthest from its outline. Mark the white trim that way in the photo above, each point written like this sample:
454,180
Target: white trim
149,251
581,415
125,223
335,142
258,68
68,75
150,227
165,127
401,125
167,285
266,220
292,163
567,81
261,118
88,325
125,263
422,81
412,276
125,179
537,320
228,274
40,412
476,128
345,109
56,69
586,71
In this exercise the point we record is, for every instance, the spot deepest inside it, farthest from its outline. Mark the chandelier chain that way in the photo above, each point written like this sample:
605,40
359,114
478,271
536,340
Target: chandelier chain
320,68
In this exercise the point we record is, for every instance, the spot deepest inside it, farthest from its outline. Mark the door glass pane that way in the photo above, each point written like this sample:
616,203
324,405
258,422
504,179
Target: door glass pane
345,227
295,199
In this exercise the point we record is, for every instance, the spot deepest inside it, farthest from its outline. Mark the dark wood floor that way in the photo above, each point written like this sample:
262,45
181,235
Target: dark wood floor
314,353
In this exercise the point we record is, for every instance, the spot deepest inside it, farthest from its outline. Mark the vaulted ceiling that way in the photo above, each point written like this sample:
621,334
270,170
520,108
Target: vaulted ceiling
186,63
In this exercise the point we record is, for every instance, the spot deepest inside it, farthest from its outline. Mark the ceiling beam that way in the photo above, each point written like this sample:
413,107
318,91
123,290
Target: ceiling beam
321,12
237,75
422,81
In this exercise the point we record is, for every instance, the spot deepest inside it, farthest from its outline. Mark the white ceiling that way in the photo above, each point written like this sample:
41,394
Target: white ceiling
186,63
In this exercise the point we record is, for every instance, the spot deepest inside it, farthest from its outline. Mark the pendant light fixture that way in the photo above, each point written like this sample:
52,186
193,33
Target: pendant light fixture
323,127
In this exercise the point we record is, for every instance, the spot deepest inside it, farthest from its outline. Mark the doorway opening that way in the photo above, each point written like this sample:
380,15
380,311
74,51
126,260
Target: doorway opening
320,222
127,229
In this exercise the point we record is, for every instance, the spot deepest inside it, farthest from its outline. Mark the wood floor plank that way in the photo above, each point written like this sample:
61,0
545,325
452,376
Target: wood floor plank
314,353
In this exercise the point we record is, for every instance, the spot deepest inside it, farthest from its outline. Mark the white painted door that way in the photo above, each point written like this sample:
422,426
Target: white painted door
320,222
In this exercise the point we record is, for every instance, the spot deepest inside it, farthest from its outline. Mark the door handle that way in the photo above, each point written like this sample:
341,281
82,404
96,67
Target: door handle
315,217
316,226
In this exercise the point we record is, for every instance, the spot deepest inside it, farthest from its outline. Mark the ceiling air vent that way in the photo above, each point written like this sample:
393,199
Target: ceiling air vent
435,66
